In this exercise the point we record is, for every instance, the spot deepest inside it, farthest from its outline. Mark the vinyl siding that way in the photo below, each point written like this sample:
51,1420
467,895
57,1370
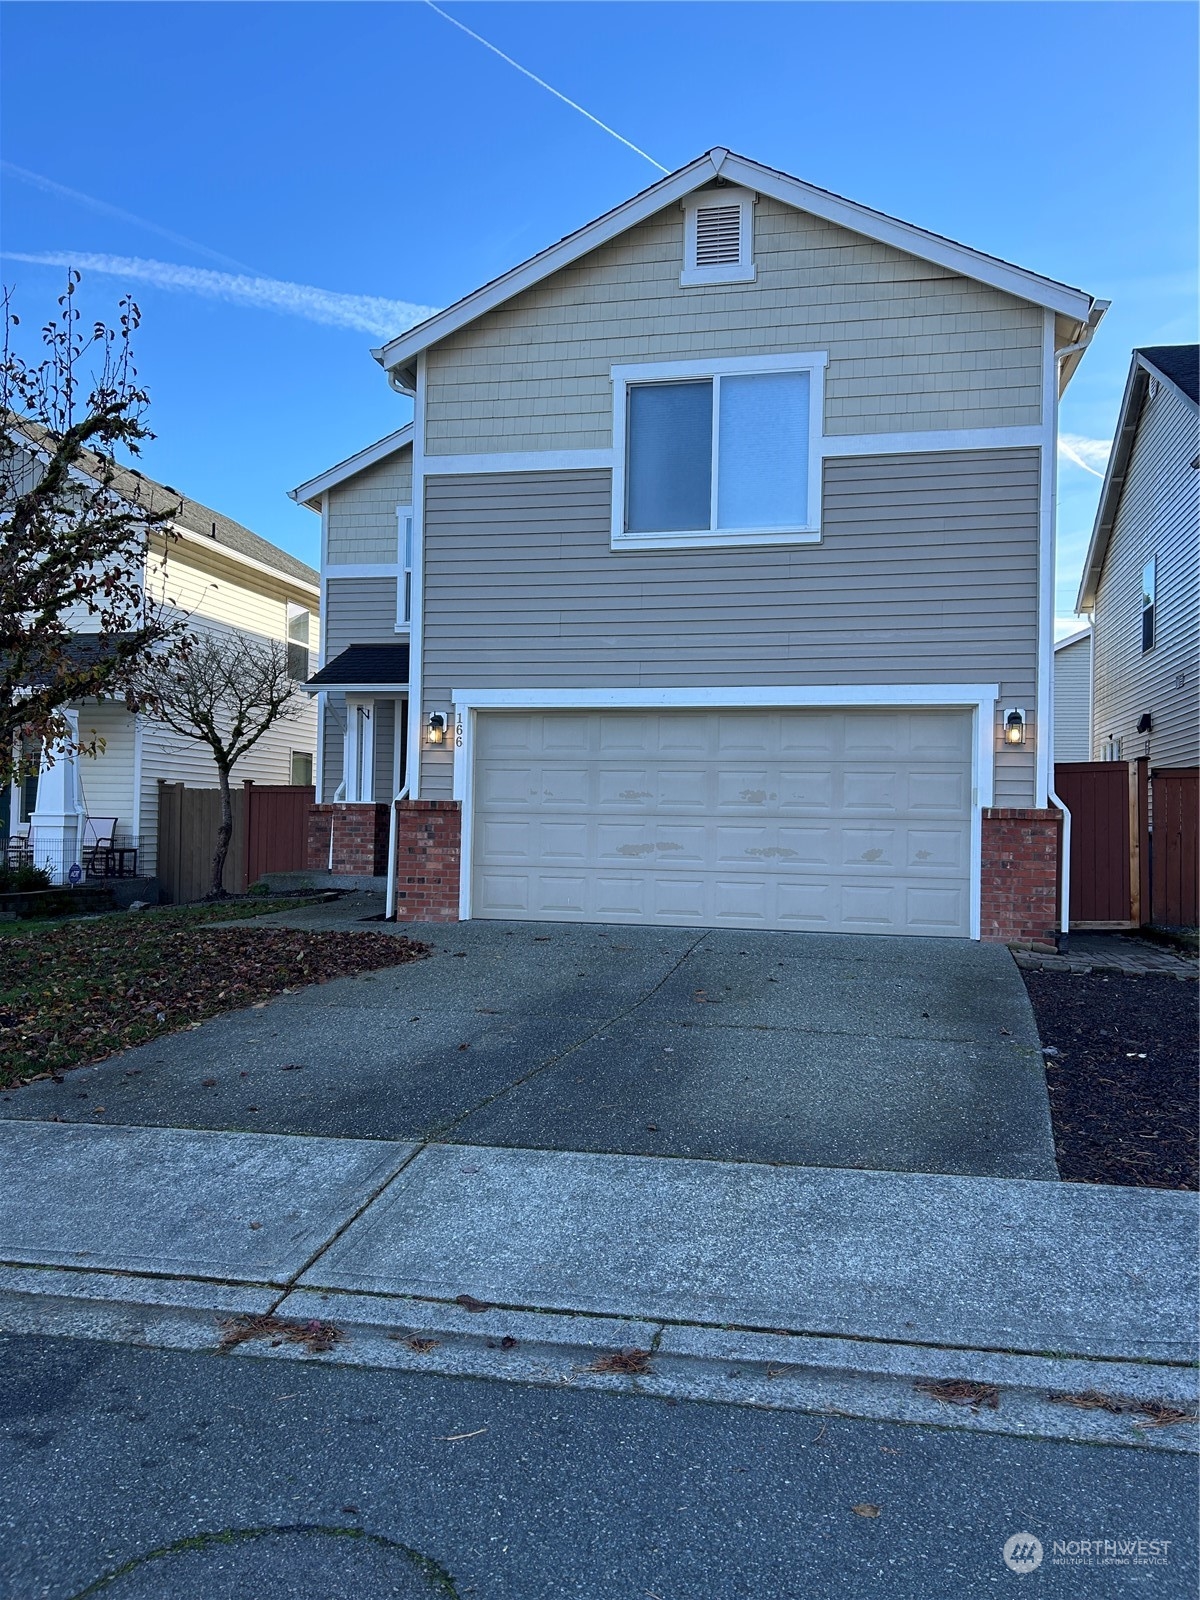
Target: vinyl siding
1073,701
1158,515
927,572
912,346
387,715
359,611
362,512
106,780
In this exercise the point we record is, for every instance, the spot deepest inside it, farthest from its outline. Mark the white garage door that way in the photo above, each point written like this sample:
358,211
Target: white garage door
841,821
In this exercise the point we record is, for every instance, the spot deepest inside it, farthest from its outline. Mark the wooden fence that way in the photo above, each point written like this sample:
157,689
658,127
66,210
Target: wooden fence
269,835
1134,856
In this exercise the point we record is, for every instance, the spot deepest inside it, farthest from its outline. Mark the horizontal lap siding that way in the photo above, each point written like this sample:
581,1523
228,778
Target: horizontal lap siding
1157,516
362,512
911,345
359,611
927,572
1073,701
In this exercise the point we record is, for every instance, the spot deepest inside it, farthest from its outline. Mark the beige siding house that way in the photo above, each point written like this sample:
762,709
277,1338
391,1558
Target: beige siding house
711,582
1141,578
1073,697
224,578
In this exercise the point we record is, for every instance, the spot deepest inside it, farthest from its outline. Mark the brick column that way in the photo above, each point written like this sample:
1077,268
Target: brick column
360,835
428,860
1019,900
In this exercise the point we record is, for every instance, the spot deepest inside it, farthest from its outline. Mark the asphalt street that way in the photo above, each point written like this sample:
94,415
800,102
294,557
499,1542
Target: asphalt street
129,1472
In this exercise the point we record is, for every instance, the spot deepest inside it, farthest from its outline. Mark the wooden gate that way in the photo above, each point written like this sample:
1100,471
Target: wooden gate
1104,879
187,830
276,827
1175,808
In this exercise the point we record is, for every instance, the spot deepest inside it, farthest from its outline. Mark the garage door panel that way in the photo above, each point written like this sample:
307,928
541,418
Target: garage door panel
815,819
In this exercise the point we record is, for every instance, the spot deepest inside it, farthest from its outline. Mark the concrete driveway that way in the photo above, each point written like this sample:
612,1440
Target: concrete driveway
815,1050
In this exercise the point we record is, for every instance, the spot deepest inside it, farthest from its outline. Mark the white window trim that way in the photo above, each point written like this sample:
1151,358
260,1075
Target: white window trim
405,575
741,271
813,362
978,698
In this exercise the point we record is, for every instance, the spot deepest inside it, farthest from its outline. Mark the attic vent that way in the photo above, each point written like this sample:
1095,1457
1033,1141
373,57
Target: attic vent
718,235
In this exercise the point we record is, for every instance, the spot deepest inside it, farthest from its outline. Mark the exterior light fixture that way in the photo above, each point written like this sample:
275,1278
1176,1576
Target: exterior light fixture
1014,726
1145,723
437,728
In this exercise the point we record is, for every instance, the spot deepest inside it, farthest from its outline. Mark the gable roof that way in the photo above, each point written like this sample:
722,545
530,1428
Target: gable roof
309,494
1083,636
1174,362
1178,363
396,354
201,521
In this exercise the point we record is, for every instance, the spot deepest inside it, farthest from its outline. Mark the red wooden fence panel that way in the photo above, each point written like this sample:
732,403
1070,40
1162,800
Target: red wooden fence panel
276,828
1096,793
1175,860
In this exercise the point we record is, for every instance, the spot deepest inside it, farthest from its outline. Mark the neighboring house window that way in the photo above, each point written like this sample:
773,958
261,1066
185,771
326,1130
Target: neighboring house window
719,453
1149,584
404,590
718,238
29,791
298,640
302,767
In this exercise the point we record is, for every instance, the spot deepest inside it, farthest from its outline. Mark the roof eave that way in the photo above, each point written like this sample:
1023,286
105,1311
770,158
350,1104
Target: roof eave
1114,482
309,494
958,258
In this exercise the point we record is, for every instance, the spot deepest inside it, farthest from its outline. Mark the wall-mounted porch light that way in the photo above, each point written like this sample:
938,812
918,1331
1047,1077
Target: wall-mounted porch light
437,728
1014,726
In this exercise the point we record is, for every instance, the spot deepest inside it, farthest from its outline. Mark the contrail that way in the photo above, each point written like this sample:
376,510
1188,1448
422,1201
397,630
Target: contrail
542,84
364,312
1071,445
49,186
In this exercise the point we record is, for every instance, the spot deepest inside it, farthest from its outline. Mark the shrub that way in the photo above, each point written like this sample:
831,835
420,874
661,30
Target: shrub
22,879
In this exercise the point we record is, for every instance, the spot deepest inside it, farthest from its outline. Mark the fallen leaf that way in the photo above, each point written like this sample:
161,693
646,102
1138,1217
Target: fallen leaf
208,1083
865,1509
470,1302
455,1438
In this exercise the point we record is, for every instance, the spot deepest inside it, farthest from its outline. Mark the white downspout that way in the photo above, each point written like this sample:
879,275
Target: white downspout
1064,908
389,909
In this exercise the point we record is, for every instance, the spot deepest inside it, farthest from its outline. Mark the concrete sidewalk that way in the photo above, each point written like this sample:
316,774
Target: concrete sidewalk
803,1287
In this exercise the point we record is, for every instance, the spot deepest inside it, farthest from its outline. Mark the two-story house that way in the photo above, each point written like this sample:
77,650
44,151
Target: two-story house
1141,577
223,578
712,582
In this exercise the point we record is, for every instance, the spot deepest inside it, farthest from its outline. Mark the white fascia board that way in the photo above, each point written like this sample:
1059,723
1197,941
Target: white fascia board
397,352
202,541
741,172
1072,638
354,688
1114,482
914,241
309,494
927,695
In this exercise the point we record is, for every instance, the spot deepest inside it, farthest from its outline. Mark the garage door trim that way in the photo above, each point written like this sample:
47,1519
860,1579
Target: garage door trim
979,698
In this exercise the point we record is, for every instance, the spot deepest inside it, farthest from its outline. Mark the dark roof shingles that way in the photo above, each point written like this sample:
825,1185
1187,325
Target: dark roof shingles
383,664
1179,362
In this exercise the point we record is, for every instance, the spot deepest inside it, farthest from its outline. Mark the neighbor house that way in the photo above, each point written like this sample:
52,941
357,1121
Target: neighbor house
1141,578
712,583
1073,697
224,578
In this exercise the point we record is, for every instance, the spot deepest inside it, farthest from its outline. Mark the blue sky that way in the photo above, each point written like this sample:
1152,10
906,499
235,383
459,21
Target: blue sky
378,159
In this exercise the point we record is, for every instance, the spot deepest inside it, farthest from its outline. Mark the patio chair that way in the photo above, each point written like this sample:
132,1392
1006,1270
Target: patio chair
18,852
96,854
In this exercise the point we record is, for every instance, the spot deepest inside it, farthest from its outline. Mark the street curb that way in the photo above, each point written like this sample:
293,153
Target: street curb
866,1379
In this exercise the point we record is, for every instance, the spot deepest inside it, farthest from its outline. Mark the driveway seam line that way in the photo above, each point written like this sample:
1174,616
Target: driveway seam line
291,1283
439,1133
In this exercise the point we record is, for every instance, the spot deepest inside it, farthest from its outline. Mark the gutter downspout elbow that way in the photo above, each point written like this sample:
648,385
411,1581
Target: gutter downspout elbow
1064,909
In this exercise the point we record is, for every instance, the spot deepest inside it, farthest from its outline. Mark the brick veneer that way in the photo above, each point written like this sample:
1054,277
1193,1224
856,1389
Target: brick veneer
428,858
1019,902
360,836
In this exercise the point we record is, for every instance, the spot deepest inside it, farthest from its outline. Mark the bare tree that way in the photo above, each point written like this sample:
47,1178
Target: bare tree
75,617
225,692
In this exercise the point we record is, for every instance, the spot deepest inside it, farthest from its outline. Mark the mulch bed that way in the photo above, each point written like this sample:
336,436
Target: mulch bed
1124,1085
83,990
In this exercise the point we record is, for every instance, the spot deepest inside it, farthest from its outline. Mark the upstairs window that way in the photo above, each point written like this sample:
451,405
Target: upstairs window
725,456
299,624
1149,586
718,238
404,585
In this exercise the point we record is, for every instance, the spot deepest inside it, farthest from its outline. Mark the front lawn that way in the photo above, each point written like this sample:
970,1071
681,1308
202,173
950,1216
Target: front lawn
76,991
1122,1076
